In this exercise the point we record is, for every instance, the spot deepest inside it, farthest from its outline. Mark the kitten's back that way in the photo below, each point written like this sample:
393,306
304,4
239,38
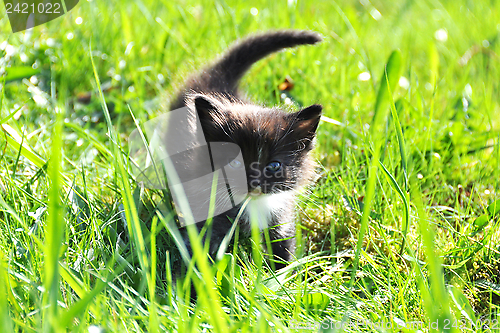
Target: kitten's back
223,76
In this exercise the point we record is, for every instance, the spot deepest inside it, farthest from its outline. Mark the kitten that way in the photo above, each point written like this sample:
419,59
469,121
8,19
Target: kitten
275,144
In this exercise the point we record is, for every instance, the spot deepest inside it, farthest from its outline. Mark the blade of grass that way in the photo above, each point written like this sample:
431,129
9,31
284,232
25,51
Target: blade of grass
54,231
5,321
86,297
11,114
225,242
205,286
133,223
390,78
153,319
438,312
388,84
91,137
16,142
20,72
434,70
404,197
402,151
401,140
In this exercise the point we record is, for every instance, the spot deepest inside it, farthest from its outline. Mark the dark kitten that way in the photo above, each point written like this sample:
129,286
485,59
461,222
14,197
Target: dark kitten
275,144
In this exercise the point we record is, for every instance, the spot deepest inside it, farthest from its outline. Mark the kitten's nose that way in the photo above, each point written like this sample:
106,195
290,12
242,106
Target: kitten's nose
255,188
256,191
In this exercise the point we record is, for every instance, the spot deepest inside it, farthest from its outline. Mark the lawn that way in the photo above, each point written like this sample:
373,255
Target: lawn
399,232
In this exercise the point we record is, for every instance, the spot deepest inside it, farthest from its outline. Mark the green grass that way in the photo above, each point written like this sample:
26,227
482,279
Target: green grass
401,225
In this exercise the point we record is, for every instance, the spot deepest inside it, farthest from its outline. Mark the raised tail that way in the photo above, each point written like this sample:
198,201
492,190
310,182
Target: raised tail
223,76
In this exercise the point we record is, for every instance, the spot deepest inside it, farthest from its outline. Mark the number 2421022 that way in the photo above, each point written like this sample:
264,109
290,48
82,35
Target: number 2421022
31,8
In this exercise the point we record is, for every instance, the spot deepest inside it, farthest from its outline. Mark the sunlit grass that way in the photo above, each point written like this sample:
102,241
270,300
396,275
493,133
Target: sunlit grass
401,226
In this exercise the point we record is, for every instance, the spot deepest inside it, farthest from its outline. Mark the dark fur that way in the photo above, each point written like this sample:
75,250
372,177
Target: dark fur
271,133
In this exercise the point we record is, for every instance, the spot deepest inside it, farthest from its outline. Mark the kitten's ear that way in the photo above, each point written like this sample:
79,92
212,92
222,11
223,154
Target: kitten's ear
306,121
205,107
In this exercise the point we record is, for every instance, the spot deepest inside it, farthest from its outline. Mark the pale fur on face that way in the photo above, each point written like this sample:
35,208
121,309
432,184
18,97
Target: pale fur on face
261,209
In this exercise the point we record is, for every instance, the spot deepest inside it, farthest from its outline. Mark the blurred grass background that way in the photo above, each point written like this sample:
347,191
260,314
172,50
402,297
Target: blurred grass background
71,258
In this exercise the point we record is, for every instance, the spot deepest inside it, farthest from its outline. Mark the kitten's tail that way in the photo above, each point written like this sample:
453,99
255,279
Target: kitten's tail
223,76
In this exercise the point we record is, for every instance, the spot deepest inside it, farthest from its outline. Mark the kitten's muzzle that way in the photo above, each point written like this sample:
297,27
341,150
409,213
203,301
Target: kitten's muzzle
255,188
255,192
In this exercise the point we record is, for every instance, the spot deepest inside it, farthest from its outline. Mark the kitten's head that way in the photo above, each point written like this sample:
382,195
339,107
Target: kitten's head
275,144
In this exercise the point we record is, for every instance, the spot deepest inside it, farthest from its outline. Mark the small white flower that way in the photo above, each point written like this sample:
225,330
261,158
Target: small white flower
404,83
364,76
441,35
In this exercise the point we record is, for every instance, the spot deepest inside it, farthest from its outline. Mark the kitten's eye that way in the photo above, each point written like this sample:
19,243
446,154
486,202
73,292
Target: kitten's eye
273,166
235,164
